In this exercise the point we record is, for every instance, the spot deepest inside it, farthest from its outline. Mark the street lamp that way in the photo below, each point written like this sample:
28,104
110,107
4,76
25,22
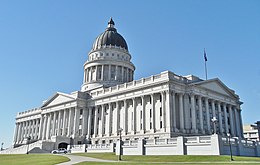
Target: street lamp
214,121
28,140
230,148
120,139
2,146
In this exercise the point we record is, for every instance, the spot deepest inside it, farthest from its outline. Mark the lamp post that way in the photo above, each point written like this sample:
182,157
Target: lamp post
28,141
120,139
230,148
214,121
2,146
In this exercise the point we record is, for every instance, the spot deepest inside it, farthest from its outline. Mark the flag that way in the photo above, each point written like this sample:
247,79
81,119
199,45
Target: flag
205,56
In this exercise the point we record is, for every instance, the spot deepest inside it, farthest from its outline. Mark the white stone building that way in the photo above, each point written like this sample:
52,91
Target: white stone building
157,107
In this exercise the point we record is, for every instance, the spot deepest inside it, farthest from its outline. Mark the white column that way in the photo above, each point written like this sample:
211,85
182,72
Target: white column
201,115
29,128
231,119
225,116
40,127
48,126
16,133
101,124
84,121
127,72
207,113
143,115
95,121
109,119
122,74
69,122
153,112
116,78
174,117
168,113
125,118
213,108
89,122
76,122
193,115
109,72
220,119
54,123
37,128
181,112
134,117
117,118
240,123
44,127
238,134
163,111
64,122
19,133
22,132
58,123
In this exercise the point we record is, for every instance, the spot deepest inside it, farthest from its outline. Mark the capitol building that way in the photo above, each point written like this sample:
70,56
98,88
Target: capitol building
164,108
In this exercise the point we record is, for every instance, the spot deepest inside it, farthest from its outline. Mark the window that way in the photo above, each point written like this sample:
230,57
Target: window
150,113
151,125
80,111
160,98
141,126
160,111
80,121
160,124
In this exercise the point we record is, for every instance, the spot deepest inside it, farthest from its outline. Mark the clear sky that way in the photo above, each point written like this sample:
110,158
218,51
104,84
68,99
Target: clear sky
44,44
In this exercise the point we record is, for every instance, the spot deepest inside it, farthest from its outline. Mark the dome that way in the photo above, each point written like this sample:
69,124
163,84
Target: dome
110,37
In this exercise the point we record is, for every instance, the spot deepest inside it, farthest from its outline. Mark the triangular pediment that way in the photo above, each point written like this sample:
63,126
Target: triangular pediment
217,86
58,99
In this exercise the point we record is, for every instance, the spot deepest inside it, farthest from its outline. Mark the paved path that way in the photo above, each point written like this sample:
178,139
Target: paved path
77,159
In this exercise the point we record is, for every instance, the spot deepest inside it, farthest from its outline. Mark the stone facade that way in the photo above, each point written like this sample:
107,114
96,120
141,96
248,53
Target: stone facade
157,107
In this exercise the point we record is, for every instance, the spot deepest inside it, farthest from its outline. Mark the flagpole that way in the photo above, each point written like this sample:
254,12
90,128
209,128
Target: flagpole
205,59
206,72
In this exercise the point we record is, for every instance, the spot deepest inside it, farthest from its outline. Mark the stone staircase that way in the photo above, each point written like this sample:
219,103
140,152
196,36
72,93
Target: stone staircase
35,147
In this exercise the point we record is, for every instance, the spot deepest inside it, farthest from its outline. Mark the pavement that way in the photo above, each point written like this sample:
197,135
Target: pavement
77,159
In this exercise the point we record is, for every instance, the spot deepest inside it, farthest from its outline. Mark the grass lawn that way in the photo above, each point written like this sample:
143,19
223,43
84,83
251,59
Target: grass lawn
31,159
171,159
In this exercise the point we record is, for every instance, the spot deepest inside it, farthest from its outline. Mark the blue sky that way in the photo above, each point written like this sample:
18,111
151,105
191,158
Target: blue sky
44,44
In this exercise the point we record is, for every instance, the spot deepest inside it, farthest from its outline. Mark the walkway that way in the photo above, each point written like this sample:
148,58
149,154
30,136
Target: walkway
77,159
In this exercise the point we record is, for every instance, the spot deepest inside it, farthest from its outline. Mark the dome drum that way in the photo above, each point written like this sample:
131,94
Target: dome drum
109,61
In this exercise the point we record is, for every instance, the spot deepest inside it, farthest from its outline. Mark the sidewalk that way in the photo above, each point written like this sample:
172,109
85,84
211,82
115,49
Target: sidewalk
77,159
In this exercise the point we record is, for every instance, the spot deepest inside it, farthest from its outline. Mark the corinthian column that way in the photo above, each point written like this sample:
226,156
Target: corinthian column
193,114
220,119
181,112
201,115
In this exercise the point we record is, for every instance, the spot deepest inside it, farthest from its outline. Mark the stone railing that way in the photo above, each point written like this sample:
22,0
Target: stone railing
198,139
130,143
167,75
161,141
29,112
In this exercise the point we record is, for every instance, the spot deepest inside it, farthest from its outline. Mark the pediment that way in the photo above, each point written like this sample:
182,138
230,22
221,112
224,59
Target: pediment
217,86
58,99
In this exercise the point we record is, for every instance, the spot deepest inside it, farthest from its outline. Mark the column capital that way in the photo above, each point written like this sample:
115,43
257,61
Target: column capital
180,93
199,96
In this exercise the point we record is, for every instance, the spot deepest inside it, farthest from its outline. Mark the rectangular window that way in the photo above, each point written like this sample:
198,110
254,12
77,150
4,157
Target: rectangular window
151,126
81,112
150,113
160,124
141,114
80,121
160,111
141,126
